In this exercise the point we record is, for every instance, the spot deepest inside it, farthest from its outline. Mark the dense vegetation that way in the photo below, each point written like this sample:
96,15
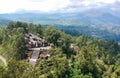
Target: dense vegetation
98,22
88,58
102,32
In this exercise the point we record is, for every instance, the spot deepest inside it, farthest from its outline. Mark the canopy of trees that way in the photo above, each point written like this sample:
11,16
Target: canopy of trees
88,57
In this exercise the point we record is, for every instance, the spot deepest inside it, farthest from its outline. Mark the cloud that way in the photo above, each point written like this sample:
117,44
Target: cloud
89,3
47,5
9,6
81,5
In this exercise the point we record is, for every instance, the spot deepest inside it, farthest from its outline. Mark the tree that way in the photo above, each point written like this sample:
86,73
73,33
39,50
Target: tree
3,72
20,69
52,35
18,43
81,40
17,24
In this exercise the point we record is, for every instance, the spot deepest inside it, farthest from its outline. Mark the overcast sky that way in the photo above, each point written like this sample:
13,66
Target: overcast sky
10,6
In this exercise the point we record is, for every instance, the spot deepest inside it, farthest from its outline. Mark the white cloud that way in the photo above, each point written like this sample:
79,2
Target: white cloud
8,6
86,3
95,2
47,5
105,1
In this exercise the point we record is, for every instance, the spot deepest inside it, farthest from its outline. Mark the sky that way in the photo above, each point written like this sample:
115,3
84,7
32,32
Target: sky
11,6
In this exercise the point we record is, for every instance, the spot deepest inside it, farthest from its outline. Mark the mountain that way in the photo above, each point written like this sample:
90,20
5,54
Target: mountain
99,18
99,23
95,17
4,21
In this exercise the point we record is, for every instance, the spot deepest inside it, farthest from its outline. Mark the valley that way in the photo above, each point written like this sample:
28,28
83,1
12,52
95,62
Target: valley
96,23
59,38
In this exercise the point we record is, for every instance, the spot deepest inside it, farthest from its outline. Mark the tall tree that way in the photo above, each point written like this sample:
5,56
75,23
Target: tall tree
52,35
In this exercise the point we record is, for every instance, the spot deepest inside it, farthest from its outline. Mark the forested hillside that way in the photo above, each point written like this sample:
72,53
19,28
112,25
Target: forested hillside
102,32
98,23
71,57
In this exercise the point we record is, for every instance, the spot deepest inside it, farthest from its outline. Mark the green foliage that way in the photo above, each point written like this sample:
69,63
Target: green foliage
35,29
3,72
17,42
76,72
52,35
89,58
18,69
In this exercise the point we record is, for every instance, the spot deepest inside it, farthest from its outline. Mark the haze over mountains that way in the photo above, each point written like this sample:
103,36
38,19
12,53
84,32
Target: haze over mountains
100,23
91,17
60,38
64,12
97,18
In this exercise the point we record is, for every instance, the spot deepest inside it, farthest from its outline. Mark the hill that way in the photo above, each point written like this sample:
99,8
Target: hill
4,21
98,23
69,57
97,17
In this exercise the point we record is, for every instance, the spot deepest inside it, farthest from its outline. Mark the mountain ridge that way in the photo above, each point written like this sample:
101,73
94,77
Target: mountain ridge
97,22
90,17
